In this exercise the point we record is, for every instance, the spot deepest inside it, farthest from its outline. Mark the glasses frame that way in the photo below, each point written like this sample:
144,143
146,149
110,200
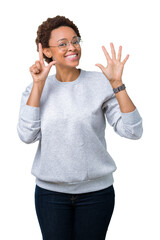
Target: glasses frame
68,43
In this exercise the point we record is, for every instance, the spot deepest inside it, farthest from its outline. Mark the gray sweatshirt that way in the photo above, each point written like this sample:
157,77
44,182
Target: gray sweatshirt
70,124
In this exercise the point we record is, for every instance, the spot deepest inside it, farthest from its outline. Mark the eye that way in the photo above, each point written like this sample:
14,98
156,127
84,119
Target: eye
76,42
62,44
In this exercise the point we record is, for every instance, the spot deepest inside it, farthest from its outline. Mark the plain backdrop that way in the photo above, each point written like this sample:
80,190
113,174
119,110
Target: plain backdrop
135,26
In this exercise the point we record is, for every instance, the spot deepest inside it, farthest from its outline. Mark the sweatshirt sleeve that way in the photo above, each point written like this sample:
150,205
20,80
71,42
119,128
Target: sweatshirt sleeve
29,123
128,125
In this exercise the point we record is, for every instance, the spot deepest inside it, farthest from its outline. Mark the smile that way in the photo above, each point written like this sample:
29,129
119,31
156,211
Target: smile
72,57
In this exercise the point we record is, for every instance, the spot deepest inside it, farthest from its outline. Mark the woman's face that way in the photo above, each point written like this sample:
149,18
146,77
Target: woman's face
65,58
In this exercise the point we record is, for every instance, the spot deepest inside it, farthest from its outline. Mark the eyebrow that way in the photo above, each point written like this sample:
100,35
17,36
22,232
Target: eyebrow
65,38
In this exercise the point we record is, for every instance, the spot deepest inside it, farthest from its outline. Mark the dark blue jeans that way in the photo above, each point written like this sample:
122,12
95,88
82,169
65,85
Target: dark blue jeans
84,216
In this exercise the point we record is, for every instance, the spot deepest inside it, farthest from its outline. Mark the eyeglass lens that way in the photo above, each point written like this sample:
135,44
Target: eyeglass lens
65,43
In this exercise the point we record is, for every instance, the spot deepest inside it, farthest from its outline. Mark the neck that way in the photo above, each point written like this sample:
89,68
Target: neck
67,74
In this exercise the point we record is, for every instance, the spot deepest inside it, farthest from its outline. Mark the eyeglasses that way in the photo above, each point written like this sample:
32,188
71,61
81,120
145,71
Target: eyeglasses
64,44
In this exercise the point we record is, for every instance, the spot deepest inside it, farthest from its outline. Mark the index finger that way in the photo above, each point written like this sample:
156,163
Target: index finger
106,53
41,53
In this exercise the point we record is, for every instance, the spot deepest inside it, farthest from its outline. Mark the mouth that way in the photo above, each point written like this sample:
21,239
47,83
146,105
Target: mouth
72,57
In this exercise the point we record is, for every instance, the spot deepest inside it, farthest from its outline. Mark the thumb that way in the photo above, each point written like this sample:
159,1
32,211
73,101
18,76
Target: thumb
101,67
51,64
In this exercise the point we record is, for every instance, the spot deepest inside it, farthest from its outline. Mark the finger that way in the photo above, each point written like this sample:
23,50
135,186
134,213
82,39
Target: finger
38,65
113,51
106,53
31,68
51,64
119,53
101,67
34,69
41,54
125,60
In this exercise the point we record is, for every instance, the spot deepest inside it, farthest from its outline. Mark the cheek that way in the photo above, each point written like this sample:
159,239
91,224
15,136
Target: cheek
79,52
56,55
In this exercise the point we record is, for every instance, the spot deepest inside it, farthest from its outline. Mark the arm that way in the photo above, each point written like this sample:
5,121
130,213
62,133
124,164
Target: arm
128,124
125,103
113,73
120,110
39,74
35,95
29,123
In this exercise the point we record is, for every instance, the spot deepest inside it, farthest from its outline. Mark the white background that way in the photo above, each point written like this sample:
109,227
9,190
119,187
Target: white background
135,26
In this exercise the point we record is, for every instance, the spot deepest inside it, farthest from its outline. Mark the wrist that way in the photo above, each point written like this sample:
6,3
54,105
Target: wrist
118,89
116,84
38,85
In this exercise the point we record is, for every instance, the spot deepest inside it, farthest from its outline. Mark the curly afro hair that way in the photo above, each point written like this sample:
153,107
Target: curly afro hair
45,29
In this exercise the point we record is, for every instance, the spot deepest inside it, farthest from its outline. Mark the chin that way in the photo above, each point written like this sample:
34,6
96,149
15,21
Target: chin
72,65
68,64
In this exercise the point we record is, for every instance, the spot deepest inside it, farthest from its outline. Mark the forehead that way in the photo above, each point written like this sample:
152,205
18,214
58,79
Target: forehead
62,32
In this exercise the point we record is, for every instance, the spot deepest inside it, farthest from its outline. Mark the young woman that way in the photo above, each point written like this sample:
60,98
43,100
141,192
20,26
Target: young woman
66,112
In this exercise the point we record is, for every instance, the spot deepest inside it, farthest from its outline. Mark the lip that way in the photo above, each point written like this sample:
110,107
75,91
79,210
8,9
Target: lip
72,59
71,54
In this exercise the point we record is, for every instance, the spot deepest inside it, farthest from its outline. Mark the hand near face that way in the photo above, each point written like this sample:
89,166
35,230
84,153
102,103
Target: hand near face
38,70
114,69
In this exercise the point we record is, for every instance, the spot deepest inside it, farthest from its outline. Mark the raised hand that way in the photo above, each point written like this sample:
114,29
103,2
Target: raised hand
38,70
114,69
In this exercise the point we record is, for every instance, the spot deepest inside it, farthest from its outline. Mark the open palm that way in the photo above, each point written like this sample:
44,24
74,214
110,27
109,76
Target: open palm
114,69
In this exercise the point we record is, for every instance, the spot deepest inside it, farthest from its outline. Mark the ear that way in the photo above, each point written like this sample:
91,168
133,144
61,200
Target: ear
47,52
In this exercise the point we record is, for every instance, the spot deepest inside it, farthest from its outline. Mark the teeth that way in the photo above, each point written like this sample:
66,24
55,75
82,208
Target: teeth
72,56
